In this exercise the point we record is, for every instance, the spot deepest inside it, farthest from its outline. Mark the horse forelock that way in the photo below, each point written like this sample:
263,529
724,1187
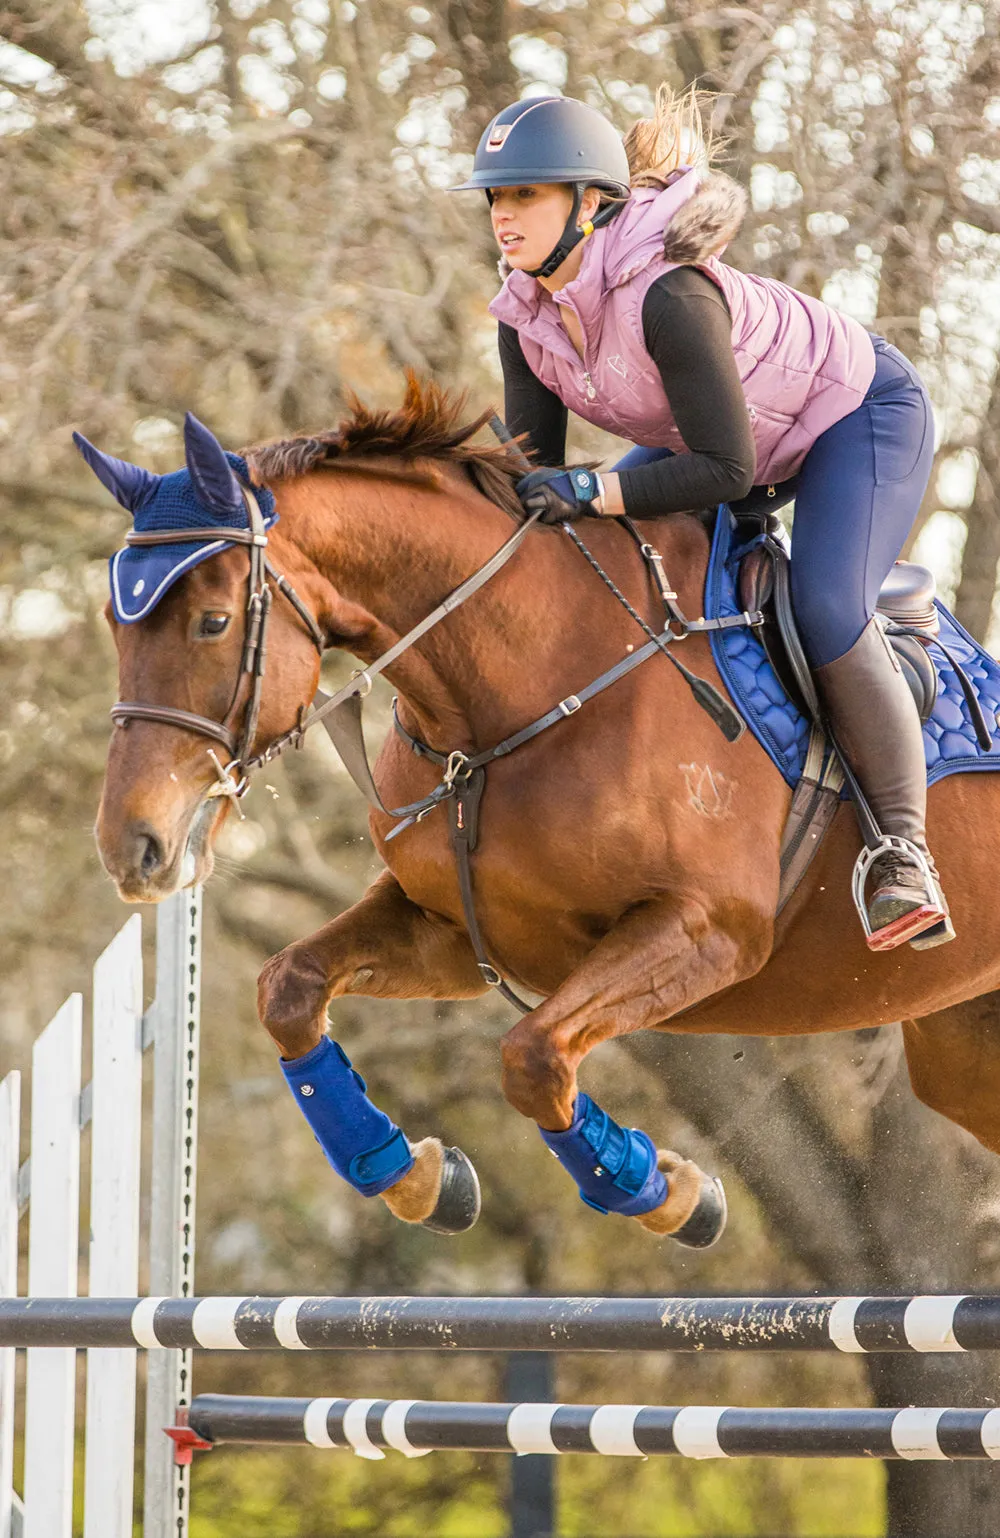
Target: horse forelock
429,425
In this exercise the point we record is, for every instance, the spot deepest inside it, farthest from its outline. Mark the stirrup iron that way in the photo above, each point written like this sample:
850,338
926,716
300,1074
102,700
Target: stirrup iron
910,925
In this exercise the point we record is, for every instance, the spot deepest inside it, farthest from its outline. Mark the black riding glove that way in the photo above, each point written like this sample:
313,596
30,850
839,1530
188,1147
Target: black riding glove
561,494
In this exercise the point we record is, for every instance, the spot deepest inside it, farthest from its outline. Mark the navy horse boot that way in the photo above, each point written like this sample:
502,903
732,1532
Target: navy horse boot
372,1154
619,1169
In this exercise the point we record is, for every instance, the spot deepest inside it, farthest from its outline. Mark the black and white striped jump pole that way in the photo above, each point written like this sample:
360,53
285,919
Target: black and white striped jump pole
413,1427
922,1324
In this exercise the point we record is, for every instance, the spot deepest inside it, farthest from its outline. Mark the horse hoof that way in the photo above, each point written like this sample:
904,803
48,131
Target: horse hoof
708,1220
459,1199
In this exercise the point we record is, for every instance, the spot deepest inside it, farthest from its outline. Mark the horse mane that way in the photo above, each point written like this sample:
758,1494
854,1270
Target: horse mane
428,425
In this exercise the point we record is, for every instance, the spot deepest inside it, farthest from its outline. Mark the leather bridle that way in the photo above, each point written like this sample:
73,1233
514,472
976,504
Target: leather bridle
233,776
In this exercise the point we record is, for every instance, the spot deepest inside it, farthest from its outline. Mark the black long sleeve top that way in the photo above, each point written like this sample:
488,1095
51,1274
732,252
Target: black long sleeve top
687,330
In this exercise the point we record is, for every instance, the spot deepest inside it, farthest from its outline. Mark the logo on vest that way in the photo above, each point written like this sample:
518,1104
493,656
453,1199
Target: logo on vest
618,364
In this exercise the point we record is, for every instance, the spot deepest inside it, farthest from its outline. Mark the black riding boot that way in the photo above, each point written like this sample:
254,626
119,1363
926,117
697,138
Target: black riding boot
877,726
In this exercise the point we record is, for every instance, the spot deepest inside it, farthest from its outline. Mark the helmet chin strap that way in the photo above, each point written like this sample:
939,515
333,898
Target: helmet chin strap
570,238
573,233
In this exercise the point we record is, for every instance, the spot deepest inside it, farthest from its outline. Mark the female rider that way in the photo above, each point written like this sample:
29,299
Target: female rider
617,306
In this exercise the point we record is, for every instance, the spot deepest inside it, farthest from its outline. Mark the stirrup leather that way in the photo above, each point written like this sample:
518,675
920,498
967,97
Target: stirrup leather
911,924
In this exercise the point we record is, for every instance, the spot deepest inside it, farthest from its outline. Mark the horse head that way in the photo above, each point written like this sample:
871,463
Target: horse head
191,611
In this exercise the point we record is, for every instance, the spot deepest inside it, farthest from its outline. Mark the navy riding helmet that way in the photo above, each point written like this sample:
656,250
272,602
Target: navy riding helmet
553,139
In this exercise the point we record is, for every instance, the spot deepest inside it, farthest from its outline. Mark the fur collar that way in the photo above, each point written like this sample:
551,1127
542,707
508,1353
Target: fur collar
707,222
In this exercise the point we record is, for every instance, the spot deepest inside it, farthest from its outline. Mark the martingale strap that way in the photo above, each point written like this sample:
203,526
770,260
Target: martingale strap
340,715
567,707
463,785
463,828
464,774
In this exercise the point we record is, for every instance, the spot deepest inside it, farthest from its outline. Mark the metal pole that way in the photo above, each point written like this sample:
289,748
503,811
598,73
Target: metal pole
529,1376
370,1426
508,1324
10,1146
175,1149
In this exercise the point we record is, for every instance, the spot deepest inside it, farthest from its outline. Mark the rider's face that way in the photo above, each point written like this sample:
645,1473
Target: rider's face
528,221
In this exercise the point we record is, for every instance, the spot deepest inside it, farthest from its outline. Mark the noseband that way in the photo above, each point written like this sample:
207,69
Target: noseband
234,775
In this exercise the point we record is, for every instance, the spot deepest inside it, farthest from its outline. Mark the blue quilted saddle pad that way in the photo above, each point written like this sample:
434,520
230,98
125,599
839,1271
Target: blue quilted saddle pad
783,731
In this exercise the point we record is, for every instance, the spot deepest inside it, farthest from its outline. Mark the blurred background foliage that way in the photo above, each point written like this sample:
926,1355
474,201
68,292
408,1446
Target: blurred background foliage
238,207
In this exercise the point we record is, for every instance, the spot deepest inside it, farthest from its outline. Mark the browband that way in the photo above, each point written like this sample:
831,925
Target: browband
193,536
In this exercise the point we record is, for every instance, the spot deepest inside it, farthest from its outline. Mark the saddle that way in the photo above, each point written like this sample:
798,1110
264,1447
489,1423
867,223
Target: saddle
910,618
905,603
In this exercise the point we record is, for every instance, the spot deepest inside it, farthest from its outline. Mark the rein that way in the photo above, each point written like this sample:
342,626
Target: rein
464,775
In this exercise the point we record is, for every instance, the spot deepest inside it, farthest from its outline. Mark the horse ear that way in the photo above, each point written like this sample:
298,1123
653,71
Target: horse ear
128,484
214,482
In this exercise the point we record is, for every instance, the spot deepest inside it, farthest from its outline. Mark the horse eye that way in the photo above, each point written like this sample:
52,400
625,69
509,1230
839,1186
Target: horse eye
213,624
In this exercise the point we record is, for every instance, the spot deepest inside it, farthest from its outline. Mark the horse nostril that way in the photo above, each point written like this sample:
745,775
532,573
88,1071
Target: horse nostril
152,854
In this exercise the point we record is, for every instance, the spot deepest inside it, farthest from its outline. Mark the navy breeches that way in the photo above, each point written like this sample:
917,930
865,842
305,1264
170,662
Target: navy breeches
856,496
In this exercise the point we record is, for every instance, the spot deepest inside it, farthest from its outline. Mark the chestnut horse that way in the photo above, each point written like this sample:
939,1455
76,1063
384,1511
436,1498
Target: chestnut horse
627,864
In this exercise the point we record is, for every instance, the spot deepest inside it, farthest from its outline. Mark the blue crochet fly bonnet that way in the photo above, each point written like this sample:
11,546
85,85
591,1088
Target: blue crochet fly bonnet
206,495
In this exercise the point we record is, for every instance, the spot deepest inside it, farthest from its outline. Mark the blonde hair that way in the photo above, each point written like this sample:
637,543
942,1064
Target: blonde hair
678,134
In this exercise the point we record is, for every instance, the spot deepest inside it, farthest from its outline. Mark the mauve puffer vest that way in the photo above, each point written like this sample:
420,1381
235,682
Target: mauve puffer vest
803,365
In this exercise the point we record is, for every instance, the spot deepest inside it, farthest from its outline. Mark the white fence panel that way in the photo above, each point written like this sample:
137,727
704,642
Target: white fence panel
114,1227
10,1127
171,1227
52,1269
112,1105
